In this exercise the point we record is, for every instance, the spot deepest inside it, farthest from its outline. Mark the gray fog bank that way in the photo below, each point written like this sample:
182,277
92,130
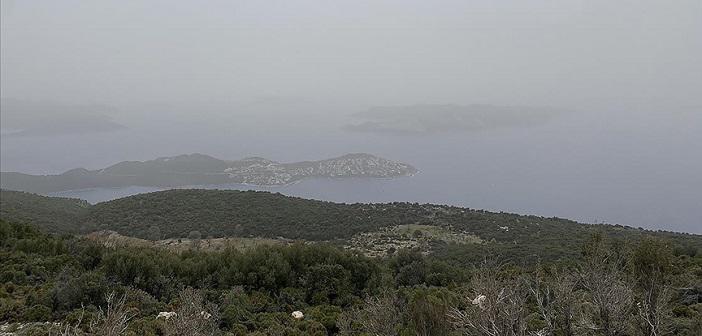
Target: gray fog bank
603,99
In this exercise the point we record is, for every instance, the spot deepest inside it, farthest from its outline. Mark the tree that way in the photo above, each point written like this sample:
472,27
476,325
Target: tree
609,298
651,266
495,305
328,283
410,267
114,320
555,296
427,310
380,316
194,317
194,235
155,233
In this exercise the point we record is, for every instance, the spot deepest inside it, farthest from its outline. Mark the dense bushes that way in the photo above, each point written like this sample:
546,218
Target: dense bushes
53,214
229,213
630,286
256,289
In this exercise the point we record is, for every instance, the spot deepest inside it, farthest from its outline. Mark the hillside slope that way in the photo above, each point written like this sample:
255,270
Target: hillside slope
217,213
53,214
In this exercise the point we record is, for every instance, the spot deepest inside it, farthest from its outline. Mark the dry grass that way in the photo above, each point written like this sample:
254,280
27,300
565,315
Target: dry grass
409,236
113,239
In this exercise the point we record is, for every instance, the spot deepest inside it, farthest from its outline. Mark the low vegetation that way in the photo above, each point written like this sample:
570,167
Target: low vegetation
359,269
411,236
79,286
113,239
178,214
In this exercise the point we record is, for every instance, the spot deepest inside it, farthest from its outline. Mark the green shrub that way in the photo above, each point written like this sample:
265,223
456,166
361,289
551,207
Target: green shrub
37,313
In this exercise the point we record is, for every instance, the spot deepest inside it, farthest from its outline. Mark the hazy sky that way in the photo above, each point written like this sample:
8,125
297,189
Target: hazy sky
589,53
279,78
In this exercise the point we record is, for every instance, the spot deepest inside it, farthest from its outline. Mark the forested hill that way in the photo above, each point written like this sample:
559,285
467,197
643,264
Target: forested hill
218,213
52,214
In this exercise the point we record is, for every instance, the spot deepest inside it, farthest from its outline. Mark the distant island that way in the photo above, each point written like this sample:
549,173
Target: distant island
29,119
200,169
447,118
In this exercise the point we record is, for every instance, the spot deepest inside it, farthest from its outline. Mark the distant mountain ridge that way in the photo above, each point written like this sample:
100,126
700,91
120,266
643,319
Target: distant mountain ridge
200,169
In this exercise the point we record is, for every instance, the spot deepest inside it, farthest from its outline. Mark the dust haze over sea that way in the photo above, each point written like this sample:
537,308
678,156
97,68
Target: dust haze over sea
592,167
89,84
